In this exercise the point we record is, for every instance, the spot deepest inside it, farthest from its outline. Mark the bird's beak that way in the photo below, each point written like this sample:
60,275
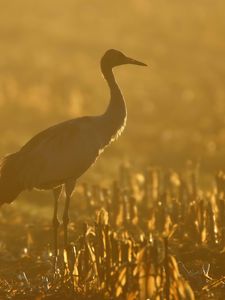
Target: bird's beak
134,62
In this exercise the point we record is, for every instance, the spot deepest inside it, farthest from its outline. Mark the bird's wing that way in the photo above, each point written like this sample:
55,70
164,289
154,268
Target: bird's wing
59,153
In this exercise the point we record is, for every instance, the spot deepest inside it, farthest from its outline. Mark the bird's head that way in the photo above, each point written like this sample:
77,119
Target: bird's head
113,58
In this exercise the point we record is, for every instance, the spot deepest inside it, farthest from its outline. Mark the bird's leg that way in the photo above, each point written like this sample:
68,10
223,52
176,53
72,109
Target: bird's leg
69,187
55,222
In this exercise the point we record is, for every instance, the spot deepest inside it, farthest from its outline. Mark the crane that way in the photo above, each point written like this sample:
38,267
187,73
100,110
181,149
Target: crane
56,157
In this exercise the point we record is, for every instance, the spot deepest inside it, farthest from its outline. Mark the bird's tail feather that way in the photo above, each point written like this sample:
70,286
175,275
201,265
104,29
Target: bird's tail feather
10,186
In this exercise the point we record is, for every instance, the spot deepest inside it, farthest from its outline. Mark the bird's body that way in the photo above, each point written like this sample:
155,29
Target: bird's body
60,154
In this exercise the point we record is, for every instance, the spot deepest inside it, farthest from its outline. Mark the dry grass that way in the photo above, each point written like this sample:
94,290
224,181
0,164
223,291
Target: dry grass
155,235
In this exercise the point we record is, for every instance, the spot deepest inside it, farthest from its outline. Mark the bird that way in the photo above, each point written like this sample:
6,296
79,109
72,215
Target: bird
56,157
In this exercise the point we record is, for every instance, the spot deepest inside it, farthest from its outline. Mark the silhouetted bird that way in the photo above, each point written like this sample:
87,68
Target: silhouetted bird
59,155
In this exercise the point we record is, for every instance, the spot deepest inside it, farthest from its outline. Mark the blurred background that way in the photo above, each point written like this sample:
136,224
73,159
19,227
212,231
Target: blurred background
49,72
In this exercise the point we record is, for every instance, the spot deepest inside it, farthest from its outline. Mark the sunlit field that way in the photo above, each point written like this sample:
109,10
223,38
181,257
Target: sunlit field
147,220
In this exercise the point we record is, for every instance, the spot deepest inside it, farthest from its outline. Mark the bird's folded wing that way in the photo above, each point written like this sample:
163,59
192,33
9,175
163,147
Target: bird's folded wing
59,153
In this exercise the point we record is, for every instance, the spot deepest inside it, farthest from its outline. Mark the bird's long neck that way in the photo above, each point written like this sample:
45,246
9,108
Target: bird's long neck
115,114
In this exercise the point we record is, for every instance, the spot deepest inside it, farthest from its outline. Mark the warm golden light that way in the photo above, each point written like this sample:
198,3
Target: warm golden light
148,217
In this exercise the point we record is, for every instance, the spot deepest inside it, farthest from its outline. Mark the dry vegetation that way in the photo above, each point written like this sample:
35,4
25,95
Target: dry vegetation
157,234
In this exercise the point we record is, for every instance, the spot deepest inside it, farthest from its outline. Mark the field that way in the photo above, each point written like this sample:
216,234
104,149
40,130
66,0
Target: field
150,235
147,221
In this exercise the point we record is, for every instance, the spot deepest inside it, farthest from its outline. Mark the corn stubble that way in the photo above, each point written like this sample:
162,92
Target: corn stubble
155,236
